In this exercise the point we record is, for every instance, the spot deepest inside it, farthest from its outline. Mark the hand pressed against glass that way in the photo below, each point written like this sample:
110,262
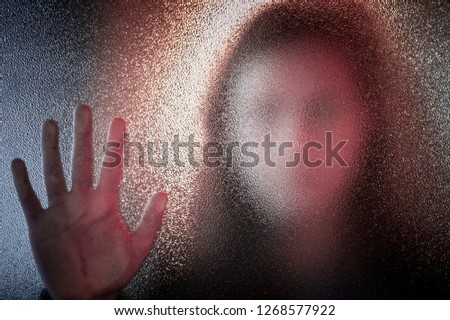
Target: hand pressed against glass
82,247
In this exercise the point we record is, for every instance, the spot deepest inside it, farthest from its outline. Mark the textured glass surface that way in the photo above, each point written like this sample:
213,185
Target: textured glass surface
379,228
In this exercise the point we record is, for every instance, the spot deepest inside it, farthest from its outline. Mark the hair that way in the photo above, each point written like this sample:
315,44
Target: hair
346,26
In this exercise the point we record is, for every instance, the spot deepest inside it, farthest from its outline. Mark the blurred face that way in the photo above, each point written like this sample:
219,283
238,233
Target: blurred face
298,93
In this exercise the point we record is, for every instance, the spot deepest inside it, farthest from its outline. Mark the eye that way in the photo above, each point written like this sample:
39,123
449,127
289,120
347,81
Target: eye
266,111
320,109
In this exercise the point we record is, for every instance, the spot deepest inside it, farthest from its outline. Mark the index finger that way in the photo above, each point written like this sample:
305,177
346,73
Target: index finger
111,172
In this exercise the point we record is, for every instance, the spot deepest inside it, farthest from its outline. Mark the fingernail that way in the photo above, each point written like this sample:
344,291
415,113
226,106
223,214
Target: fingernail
17,164
160,201
50,127
83,116
120,122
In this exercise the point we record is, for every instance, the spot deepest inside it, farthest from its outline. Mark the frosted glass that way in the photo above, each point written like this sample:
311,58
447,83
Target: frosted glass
373,74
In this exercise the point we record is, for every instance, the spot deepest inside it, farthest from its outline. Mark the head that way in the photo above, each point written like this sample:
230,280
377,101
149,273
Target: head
308,77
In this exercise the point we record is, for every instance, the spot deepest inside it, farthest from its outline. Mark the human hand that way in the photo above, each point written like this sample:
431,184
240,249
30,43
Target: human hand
81,245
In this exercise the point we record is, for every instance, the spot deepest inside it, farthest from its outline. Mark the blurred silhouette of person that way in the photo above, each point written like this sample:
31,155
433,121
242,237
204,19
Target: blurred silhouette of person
297,72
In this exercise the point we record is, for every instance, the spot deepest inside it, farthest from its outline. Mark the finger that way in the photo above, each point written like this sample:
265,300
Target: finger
150,224
112,166
53,171
83,155
27,197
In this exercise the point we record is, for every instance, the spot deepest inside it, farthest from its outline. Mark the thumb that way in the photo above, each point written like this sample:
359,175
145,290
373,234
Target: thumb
150,223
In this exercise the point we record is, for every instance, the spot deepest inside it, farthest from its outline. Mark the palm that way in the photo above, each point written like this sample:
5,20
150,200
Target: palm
82,246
